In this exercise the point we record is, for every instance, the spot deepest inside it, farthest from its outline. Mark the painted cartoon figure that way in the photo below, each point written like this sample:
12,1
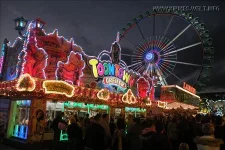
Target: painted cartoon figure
35,59
143,87
72,70
38,126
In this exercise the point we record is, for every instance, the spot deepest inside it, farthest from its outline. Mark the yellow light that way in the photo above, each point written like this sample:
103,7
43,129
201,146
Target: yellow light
162,104
149,102
129,97
58,87
101,94
30,81
93,63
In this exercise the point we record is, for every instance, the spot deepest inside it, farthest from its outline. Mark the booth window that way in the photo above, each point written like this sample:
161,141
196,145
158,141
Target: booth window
20,127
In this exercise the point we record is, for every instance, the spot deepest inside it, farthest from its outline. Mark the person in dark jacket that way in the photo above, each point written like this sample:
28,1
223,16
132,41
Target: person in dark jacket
146,134
134,135
56,130
86,123
112,126
158,140
172,133
75,135
94,139
120,141
198,125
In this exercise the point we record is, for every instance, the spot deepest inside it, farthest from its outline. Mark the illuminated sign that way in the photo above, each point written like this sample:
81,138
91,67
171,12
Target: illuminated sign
58,87
101,69
162,104
129,97
25,83
189,88
103,94
114,81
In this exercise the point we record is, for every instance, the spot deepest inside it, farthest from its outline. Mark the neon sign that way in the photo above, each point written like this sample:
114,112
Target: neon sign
189,88
103,94
25,83
101,69
129,97
114,81
58,87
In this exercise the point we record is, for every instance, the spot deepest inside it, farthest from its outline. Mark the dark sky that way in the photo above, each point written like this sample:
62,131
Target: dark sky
94,24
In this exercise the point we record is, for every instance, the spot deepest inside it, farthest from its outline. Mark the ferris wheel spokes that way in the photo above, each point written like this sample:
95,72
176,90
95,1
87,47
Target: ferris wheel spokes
123,54
173,74
168,55
137,67
140,30
171,19
184,63
161,76
130,42
168,48
167,65
183,48
134,64
177,36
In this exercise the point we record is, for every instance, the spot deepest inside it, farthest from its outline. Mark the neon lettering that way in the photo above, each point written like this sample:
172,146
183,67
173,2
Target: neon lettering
93,63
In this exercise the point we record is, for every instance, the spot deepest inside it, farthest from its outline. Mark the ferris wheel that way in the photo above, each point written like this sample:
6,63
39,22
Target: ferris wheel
173,46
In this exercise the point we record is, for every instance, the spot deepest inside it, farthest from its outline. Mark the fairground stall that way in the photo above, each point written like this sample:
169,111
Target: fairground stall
213,103
176,97
44,74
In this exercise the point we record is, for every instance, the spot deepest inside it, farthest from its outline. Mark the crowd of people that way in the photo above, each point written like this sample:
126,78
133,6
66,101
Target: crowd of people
172,132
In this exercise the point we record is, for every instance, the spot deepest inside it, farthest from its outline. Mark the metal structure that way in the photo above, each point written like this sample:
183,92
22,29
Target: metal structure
161,54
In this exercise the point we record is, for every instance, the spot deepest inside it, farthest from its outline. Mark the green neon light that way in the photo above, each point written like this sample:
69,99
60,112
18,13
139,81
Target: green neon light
87,106
130,109
63,136
16,131
19,102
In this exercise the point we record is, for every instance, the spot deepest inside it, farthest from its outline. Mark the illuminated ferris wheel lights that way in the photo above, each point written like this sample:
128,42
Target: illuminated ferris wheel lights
158,53
149,56
190,16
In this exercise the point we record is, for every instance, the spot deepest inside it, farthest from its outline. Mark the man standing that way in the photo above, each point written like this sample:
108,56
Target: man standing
86,123
105,125
94,139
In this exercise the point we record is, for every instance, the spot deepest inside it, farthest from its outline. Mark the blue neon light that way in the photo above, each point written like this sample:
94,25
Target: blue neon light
149,56
23,102
20,131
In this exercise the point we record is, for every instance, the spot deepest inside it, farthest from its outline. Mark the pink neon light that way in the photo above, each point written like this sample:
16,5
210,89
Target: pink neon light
27,67
1,63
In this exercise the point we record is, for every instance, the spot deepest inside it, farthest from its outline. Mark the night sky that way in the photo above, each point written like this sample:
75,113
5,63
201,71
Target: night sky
94,24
